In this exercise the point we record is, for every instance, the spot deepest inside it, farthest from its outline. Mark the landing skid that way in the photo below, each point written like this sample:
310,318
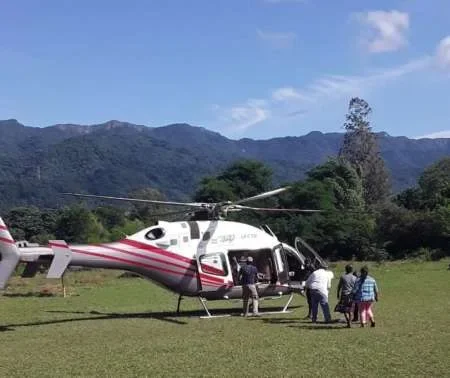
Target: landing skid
209,316
284,310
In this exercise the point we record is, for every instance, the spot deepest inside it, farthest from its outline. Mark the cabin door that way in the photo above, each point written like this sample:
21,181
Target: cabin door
213,271
281,264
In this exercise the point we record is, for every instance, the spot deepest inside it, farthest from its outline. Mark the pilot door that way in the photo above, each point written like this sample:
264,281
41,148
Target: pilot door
213,271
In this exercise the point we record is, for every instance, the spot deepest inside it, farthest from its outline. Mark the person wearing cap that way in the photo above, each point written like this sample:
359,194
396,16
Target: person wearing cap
319,282
247,277
344,294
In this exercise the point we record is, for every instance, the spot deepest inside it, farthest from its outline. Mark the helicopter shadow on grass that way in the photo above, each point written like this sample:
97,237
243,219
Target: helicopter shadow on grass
302,323
30,294
96,315
168,316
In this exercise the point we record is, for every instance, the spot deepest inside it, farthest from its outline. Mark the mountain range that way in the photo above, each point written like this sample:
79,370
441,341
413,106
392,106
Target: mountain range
113,158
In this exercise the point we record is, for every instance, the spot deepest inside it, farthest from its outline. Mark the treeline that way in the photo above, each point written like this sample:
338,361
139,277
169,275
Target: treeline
359,217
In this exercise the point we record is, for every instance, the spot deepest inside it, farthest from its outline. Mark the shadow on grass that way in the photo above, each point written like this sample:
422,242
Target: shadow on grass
315,327
31,294
168,316
302,323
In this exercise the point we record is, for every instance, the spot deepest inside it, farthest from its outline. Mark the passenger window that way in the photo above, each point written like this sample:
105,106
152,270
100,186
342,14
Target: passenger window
155,234
214,264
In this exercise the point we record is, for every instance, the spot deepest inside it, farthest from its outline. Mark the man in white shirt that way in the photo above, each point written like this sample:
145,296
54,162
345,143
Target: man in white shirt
319,283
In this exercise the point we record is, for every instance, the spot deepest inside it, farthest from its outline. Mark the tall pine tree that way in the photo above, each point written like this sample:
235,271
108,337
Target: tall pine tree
361,149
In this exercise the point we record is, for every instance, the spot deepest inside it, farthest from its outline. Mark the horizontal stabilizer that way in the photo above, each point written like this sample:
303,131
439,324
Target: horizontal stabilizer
62,256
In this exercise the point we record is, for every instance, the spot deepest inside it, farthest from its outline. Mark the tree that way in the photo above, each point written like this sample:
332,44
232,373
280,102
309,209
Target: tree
343,230
146,212
360,148
78,224
244,178
434,184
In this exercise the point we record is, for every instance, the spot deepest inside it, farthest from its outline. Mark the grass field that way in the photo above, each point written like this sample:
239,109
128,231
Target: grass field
126,327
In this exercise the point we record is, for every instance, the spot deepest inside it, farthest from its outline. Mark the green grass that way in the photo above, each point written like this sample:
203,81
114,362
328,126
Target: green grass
123,327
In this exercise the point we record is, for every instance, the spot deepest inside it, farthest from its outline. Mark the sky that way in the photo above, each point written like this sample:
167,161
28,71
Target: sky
244,68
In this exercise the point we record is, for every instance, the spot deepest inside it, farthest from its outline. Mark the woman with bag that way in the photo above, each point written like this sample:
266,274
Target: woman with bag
344,294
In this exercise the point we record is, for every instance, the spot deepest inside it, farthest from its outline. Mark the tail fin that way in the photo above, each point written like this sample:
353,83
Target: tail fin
10,255
61,259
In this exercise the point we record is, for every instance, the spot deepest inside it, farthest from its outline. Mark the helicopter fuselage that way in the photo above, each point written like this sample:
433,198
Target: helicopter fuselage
194,258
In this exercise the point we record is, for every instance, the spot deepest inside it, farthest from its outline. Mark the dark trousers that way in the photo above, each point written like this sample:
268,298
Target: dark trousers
355,313
319,298
309,300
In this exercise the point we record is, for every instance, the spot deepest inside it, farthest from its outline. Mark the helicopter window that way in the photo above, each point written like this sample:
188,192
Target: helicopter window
206,235
173,241
214,264
183,225
155,234
185,239
279,259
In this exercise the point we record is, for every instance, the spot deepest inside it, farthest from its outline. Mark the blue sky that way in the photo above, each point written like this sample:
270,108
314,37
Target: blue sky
244,68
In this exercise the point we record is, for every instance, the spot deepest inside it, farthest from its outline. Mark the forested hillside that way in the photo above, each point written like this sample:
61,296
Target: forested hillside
36,164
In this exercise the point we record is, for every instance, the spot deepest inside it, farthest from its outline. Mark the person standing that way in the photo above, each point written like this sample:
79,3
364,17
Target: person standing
344,294
319,282
355,306
365,293
309,269
247,277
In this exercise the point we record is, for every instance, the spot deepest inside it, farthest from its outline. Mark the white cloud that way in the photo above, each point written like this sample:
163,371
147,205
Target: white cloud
384,30
287,93
337,86
443,53
293,102
277,39
439,134
241,117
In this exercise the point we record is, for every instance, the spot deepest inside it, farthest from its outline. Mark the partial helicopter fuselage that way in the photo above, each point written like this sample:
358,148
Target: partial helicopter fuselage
191,258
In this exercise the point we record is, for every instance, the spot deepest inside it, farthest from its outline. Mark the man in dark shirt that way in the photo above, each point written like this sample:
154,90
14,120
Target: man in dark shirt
247,277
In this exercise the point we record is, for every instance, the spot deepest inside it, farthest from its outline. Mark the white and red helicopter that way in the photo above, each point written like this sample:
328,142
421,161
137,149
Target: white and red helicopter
191,258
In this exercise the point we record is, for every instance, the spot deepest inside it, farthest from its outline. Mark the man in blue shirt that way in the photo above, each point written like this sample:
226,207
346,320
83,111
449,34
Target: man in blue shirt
248,277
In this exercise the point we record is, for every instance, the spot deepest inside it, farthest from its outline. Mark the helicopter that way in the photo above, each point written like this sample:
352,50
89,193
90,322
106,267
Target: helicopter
192,258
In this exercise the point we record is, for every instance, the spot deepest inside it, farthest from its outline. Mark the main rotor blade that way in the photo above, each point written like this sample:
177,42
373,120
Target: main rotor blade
278,209
262,195
169,203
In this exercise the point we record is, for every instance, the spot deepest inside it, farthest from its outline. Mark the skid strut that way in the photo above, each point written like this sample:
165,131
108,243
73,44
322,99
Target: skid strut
209,316
285,308
180,297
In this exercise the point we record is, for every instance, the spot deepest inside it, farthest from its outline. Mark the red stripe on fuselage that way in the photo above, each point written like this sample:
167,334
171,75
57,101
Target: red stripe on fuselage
3,228
154,249
10,241
134,263
211,269
163,252
131,253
